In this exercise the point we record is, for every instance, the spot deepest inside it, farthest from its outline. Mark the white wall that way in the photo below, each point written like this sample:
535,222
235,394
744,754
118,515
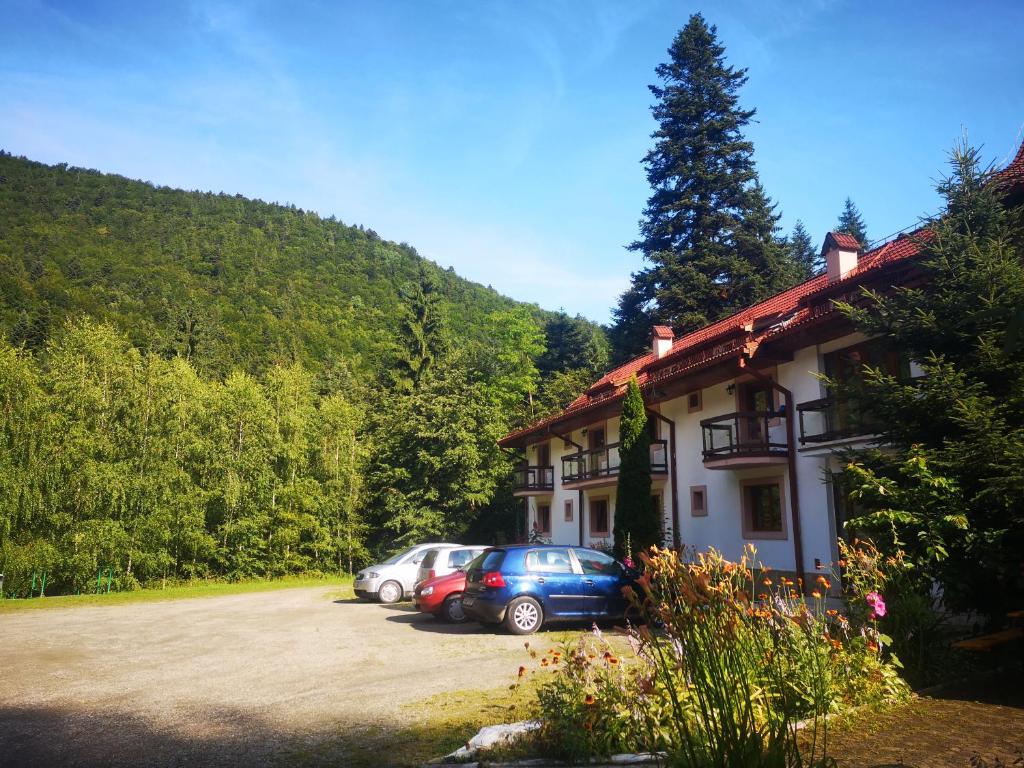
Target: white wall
722,528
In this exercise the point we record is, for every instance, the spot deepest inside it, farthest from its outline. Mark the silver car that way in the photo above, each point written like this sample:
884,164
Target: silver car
395,578
441,562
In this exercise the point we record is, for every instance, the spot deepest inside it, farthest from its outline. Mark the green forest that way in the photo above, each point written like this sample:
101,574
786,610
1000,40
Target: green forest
202,385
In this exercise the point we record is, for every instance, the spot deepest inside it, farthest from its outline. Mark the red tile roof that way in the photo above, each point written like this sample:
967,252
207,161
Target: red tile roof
663,332
1013,174
766,319
841,240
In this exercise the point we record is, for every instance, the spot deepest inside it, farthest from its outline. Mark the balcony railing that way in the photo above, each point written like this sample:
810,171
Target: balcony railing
745,434
533,479
832,418
603,462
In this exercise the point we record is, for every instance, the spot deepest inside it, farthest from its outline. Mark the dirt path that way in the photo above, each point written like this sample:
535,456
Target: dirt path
237,680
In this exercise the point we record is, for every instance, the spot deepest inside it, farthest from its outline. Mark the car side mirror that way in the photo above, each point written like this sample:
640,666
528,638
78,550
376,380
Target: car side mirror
460,568
417,562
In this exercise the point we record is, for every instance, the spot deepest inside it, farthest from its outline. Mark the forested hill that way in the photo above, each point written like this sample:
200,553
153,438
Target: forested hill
197,385
227,282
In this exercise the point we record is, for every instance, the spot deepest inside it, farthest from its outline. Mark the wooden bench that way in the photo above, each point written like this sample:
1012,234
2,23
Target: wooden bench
986,643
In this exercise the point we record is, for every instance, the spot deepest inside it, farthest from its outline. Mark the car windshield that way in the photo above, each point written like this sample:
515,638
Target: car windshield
400,556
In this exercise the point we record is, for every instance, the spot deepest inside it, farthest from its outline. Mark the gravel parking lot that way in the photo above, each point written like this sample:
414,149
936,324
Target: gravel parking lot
249,679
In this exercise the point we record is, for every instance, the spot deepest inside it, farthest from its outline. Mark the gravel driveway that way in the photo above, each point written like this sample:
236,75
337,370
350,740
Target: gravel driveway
247,679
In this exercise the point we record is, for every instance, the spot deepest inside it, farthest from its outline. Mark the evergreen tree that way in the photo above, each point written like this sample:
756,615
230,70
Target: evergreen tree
950,491
709,230
803,252
422,332
852,223
636,516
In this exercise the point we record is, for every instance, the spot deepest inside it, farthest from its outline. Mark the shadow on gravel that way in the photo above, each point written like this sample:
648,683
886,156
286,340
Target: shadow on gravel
425,623
37,737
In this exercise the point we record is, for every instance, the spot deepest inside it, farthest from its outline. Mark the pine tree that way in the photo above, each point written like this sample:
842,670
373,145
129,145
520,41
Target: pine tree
802,250
852,223
636,517
709,230
949,490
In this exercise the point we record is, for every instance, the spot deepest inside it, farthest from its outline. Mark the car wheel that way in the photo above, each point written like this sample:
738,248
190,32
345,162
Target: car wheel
389,592
523,616
452,609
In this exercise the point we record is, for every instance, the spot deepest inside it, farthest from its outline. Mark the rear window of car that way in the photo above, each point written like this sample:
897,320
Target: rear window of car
458,558
430,559
549,560
492,560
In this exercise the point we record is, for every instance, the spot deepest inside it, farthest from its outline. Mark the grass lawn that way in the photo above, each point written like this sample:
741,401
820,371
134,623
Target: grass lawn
180,591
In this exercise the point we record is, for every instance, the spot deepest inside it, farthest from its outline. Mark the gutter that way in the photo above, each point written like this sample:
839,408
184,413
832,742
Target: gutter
579,449
676,538
794,491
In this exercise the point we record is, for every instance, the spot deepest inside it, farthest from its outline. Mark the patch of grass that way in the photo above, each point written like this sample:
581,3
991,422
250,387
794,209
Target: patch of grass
182,591
439,725
427,729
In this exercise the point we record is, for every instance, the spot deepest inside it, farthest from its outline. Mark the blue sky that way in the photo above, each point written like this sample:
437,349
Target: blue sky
504,138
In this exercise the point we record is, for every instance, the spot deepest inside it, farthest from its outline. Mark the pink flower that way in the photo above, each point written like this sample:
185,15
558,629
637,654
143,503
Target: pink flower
877,605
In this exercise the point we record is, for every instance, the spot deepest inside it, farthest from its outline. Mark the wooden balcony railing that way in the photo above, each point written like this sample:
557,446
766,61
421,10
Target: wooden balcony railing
744,434
533,479
604,462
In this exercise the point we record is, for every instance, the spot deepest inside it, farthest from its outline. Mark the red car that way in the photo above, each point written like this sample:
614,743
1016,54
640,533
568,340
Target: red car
442,596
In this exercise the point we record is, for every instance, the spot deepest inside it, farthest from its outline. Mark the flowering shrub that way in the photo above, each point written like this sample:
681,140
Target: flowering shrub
730,658
590,705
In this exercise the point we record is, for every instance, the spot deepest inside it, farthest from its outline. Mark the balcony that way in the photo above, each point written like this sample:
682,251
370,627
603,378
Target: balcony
600,466
830,419
744,440
533,481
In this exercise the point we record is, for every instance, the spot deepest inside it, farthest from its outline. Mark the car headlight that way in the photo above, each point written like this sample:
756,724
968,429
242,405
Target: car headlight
427,592
372,575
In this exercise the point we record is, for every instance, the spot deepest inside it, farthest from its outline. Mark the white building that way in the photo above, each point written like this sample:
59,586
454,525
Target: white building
744,431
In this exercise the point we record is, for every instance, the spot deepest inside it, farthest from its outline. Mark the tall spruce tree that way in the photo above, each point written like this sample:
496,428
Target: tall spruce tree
709,231
636,516
852,223
802,250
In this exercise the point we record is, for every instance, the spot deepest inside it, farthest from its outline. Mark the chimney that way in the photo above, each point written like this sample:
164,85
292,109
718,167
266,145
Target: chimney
663,338
840,252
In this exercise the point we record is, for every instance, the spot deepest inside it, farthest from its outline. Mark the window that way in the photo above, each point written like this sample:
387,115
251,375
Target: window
598,563
763,509
568,510
599,517
698,501
549,560
430,559
459,558
694,402
544,518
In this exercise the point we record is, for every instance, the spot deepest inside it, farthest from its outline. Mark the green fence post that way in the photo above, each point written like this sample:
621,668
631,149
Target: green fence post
42,587
110,577
32,589
98,572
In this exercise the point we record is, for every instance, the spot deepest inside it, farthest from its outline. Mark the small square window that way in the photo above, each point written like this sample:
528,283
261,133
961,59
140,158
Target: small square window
568,510
698,500
763,509
694,402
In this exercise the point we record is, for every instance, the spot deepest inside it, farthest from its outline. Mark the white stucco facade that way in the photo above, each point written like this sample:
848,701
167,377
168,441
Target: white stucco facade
721,522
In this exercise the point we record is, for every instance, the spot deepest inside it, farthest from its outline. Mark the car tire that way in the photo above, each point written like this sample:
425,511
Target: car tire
451,610
389,592
523,616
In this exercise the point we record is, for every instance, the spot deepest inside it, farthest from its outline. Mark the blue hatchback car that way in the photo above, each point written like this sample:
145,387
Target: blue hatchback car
524,586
